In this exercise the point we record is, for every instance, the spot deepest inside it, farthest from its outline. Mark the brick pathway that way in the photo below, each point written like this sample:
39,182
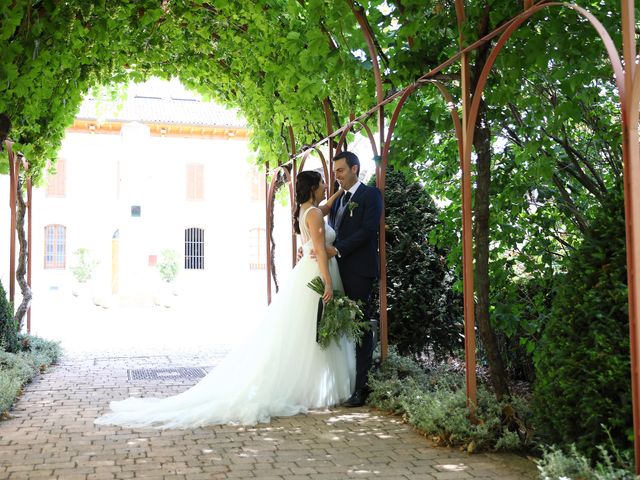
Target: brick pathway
51,435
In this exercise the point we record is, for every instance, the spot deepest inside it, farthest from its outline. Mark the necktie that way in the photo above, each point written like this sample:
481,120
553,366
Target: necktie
345,198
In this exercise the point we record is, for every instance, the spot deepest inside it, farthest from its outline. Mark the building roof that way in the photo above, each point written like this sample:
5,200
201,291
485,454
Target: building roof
168,111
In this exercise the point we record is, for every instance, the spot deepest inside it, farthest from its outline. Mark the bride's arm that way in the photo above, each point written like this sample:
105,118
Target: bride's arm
315,223
326,207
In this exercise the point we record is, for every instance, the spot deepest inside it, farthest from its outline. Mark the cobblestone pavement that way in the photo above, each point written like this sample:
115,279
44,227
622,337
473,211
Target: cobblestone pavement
51,435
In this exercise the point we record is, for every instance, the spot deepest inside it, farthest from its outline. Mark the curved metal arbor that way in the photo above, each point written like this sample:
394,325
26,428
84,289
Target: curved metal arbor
464,122
628,84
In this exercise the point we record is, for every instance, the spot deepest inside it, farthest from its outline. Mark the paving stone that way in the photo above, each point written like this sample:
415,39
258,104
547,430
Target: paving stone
51,435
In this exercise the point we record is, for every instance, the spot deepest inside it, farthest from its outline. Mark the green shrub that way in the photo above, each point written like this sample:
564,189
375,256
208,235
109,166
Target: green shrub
17,365
558,465
445,415
17,369
10,386
582,361
47,351
424,312
396,378
434,401
8,327
521,308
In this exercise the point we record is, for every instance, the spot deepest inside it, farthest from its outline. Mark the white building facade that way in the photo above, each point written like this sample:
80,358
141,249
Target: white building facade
163,174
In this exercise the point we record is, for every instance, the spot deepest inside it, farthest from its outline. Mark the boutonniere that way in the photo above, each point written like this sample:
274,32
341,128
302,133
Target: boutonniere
352,206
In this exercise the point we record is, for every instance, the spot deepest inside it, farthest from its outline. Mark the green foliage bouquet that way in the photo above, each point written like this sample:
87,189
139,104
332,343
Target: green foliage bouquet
341,316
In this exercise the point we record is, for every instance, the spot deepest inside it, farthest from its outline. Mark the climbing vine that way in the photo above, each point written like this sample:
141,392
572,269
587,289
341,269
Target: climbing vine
275,61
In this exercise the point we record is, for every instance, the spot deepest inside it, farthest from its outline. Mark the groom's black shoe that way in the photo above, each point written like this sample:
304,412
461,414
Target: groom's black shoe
358,399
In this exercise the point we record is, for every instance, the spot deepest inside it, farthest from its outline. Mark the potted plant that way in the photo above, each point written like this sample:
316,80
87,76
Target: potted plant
83,269
168,270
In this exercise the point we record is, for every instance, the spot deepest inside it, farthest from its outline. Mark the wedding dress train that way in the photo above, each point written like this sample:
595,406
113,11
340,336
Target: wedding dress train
279,371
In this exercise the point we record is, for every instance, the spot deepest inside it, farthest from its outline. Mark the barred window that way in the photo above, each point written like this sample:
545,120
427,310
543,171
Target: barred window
55,243
257,249
195,181
56,181
194,248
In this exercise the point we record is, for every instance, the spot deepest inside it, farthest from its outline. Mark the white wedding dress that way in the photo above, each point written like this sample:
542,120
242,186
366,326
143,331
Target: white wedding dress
279,371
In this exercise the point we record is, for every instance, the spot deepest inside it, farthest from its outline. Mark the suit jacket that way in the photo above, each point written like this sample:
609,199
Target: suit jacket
357,233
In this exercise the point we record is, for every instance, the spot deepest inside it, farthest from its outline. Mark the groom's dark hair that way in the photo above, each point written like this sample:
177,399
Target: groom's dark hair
351,158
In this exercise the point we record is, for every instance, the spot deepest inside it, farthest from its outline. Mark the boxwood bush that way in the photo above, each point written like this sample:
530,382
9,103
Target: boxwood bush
582,361
424,311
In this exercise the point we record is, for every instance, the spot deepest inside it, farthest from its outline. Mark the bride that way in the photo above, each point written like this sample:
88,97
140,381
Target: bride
280,370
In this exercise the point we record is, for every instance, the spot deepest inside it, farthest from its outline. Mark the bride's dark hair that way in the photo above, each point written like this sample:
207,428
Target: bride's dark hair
306,183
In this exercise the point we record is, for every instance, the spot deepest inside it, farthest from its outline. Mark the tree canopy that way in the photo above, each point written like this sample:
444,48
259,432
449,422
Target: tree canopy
275,61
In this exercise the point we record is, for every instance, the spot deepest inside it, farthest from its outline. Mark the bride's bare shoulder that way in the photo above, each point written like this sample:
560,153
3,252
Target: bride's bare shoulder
314,214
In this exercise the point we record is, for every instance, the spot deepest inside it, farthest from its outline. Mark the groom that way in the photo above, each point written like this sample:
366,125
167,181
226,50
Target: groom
355,217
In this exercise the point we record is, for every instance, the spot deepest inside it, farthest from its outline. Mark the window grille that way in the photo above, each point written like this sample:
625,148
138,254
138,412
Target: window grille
55,241
194,249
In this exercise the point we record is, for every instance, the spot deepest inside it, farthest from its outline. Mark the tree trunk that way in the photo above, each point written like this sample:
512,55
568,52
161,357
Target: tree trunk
22,260
482,145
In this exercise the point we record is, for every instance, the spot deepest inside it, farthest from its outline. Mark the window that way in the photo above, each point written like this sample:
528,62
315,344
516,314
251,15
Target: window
195,181
55,242
56,181
194,249
257,247
258,187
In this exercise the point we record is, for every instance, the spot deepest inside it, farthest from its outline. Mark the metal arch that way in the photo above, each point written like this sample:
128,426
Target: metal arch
292,191
15,162
468,277
14,167
630,133
631,159
631,172
325,168
292,140
405,96
345,131
381,180
270,206
269,201
29,242
380,169
453,111
634,103
392,123
372,49
630,54
469,324
327,120
267,216
482,80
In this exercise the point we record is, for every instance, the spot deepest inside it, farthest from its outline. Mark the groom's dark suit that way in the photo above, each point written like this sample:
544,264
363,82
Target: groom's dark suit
357,228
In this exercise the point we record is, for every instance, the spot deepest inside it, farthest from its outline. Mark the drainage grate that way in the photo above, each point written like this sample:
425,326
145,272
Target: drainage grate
181,373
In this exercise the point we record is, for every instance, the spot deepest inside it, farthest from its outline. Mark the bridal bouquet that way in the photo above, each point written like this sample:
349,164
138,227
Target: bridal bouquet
340,316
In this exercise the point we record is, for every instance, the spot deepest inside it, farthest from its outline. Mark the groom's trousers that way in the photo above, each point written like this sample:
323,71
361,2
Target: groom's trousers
360,288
